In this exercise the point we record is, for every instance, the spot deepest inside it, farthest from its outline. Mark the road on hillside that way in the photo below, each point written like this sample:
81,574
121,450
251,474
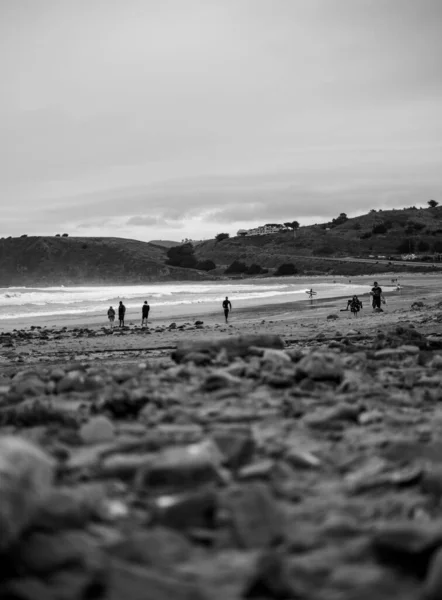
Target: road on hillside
374,261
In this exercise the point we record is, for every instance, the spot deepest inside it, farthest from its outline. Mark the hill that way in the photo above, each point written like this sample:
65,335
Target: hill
80,261
388,233
164,243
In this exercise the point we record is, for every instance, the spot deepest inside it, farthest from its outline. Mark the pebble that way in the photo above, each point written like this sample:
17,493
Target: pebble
97,430
26,477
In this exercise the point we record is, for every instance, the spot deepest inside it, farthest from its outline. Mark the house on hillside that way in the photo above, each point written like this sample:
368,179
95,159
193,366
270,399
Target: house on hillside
263,230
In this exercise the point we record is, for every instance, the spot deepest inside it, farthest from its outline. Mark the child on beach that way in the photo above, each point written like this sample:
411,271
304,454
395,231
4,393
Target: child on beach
121,313
227,306
111,316
144,313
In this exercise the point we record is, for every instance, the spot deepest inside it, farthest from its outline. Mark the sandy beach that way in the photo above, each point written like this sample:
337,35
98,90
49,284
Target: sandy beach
293,453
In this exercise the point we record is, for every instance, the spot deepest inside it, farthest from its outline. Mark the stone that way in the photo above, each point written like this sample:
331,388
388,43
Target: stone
270,578
136,583
181,468
186,511
28,386
97,430
234,346
237,448
275,356
252,514
26,477
155,547
432,589
408,546
320,366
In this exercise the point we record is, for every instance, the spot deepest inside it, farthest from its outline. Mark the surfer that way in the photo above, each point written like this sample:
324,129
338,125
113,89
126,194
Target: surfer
111,316
121,313
311,293
145,313
227,306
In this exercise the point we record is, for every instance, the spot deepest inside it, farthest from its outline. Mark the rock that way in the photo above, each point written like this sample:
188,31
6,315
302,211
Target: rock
433,582
302,459
408,546
275,356
186,511
97,430
332,317
71,382
252,515
270,578
320,366
181,468
237,448
28,386
26,475
157,547
135,583
234,346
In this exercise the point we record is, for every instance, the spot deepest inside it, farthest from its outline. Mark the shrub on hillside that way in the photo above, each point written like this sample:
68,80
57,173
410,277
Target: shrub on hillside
357,226
286,269
255,269
423,246
182,256
379,228
65,235
406,245
366,235
236,267
222,236
325,250
205,265
437,246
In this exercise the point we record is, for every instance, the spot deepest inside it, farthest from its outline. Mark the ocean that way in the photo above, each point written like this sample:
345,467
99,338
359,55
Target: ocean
165,299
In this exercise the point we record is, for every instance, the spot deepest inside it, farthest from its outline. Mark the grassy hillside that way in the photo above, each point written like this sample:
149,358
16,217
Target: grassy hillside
75,261
378,233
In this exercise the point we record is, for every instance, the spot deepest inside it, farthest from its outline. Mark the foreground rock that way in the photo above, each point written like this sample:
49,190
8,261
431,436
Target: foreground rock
244,469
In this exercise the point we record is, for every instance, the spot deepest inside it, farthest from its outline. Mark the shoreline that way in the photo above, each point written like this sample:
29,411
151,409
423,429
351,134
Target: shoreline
252,312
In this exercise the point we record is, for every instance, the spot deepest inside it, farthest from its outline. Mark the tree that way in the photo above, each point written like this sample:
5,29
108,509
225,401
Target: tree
236,267
65,235
254,269
407,245
432,203
423,246
222,236
205,265
292,225
339,220
182,256
286,269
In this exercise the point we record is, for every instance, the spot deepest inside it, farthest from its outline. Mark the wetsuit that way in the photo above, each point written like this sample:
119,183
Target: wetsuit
376,292
121,313
145,312
227,306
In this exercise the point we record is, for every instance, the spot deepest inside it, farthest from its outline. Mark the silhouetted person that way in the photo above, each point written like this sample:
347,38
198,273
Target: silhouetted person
376,294
227,306
145,313
355,305
121,313
111,316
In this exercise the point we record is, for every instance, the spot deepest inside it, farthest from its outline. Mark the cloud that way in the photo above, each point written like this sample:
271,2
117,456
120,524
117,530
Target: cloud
147,221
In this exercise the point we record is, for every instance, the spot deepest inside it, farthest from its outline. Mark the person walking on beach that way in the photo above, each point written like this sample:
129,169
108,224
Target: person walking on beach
311,293
355,305
121,313
376,294
227,306
111,316
144,313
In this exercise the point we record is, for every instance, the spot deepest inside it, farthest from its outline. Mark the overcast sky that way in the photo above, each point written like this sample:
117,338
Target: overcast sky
169,119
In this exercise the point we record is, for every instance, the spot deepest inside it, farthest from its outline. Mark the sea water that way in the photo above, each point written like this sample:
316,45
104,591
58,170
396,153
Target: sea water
167,298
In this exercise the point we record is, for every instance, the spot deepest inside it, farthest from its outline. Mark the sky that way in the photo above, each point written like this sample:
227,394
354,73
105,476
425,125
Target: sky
173,119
